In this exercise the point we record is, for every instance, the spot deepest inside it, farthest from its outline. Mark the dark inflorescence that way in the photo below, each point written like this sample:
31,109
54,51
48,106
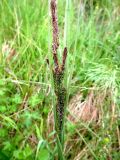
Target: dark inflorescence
60,92
58,72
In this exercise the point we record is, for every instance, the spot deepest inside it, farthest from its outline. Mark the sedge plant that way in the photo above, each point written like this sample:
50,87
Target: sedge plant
58,77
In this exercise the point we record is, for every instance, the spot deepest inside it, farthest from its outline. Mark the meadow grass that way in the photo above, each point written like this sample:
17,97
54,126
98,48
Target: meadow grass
90,30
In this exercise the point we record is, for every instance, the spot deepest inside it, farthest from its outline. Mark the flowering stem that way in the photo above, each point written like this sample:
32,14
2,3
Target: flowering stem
58,77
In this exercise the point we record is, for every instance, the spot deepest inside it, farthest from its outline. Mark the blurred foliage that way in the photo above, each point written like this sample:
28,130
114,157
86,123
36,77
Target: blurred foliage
25,80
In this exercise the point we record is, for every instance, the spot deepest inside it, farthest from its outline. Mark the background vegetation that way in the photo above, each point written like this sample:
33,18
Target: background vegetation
91,31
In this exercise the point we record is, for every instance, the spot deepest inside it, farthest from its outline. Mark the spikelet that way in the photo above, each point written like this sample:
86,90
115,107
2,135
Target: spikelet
60,92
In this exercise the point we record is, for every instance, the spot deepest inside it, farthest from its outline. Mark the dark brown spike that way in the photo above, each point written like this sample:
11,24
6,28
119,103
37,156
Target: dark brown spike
55,24
64,58
55,34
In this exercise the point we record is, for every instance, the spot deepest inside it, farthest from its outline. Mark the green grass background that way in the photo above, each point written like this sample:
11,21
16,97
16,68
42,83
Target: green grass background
91,31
